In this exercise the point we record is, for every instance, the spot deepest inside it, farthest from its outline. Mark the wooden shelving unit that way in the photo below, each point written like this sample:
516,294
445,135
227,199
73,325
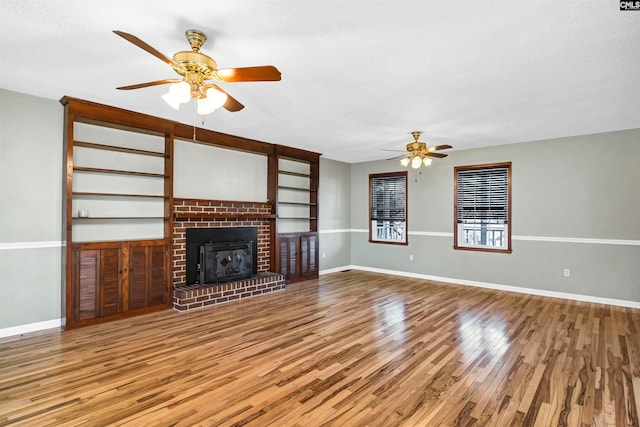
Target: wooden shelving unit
297,216
118,275
118,260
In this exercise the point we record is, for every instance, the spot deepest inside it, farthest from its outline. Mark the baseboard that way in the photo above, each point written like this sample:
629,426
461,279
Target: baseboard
335,270
31,327
495,286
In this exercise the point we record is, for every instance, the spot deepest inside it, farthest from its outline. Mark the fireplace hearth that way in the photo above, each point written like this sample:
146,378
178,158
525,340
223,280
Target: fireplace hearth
220,254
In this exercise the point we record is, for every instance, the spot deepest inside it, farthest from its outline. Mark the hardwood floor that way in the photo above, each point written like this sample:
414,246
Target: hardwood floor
349,349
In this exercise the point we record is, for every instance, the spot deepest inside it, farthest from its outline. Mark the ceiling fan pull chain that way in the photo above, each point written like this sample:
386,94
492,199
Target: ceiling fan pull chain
195,120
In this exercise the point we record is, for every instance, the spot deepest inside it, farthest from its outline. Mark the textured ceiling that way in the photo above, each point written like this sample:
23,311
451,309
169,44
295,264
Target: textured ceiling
357,77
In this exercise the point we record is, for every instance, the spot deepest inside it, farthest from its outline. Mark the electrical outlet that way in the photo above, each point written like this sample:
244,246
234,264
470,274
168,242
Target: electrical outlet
567,272
323,255
411,257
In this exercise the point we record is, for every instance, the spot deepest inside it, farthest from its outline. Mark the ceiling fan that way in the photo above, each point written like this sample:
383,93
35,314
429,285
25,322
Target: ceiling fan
418,153
195,69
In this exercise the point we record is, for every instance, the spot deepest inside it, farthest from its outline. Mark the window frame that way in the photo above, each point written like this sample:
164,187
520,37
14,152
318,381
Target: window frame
456,169
373,176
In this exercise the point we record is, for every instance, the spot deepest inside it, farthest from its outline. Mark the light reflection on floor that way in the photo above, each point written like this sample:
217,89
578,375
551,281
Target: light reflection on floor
478,335
390,322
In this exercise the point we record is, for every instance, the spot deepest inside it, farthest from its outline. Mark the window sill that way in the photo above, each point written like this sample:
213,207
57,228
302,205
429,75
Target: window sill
482,249
389,242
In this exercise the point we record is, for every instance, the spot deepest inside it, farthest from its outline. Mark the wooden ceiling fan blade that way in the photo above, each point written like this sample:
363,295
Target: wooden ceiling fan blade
265,73
440,147
144,46
437,155
147,84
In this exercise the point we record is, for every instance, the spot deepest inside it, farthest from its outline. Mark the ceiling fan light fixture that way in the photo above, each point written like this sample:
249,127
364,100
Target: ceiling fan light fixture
195,68
213,100
170,99
216,97
419,154
179,93
205,107
182,91
416,162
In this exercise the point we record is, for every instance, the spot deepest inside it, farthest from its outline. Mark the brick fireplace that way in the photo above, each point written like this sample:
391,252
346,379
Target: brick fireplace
199,213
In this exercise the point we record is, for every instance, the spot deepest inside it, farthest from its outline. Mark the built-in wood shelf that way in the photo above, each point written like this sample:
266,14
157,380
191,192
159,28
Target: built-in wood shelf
302,175
282,187
191,216
298,203
120,149
117,171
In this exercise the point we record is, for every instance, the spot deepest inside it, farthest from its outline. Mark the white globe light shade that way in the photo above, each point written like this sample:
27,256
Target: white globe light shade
205,107
216,97
214,100
182,91
179,93
416,162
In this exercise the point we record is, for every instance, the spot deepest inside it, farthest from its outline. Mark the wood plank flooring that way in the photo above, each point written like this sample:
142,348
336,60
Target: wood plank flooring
348,349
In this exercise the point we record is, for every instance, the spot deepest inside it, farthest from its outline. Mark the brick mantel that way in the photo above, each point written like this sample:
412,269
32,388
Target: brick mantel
199,213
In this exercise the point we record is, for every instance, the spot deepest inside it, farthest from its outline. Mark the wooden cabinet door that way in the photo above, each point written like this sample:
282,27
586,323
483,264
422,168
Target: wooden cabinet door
97,283
147,275
157,269
298,254
138,277
288,252
308,255
85,283
110,290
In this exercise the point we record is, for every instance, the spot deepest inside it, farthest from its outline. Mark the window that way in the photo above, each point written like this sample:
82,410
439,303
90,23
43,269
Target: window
483,207
388,207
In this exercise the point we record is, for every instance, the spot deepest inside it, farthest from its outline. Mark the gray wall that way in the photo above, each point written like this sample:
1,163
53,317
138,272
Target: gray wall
334,200
206,172
30,209
576,206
